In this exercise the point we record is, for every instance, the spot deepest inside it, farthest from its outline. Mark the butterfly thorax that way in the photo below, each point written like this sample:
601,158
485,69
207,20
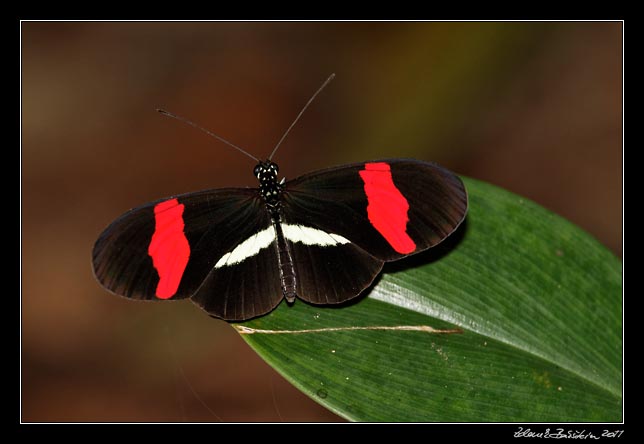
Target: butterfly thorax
269,187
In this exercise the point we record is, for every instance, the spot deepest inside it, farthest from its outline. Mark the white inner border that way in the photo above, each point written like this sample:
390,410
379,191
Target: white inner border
263,239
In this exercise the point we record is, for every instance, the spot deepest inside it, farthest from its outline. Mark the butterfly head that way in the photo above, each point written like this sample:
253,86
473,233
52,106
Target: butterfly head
266,173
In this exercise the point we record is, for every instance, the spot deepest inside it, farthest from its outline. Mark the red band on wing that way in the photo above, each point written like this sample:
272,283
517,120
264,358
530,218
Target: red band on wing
169,248
387,209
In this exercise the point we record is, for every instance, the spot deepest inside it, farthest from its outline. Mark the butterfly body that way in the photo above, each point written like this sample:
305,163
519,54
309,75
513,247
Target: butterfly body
271,191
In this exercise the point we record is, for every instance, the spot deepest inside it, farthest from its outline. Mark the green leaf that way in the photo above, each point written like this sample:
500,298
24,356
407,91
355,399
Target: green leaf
537,300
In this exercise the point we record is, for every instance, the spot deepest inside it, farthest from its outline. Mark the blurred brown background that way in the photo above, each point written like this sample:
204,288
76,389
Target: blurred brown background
533,107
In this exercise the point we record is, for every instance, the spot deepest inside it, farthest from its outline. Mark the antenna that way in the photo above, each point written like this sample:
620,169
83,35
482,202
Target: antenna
221,139
326,82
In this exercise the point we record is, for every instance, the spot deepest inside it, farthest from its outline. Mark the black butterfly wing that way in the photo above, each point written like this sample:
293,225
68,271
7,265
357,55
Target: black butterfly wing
171,248
389,208
362,215
330,269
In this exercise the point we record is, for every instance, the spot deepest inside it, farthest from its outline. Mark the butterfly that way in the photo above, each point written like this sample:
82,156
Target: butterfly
322,237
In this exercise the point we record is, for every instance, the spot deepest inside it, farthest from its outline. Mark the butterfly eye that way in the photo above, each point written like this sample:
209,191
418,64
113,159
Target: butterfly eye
275,168
257,170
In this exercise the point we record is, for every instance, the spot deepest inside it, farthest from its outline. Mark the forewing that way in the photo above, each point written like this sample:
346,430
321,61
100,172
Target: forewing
389,208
